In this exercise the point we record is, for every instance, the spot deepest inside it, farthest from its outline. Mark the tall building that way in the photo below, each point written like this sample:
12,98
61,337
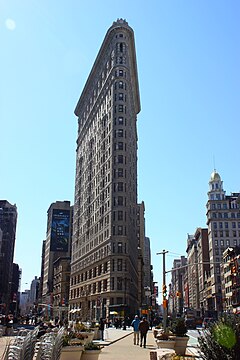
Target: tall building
15,289
223,220
104,265
8,224
57,244
177,288
201,235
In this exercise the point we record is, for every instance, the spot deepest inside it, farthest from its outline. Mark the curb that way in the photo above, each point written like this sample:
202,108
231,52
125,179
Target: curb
113,341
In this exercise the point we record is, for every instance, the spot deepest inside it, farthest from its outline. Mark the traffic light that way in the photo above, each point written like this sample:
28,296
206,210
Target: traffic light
164,290
234,269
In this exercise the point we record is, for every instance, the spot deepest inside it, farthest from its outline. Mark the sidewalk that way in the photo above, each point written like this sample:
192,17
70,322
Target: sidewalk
121,348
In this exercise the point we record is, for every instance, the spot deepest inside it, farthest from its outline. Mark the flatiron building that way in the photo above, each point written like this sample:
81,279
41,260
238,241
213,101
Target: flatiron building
104,263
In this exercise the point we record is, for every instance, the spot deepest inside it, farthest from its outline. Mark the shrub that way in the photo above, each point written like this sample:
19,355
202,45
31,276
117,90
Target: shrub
92,346
221,340
179,328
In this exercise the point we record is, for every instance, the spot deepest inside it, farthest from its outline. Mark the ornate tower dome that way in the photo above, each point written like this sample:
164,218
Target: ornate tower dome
215,176
216,191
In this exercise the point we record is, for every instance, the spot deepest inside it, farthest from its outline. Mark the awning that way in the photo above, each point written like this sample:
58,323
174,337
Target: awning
113,313
74,310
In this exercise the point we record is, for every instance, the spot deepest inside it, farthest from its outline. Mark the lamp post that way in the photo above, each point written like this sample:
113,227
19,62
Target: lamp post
163,253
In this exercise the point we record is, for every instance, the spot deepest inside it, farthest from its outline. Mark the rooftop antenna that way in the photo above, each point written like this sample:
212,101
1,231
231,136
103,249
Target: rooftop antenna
214,167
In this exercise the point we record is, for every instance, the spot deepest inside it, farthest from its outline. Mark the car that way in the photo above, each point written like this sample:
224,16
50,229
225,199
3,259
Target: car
206,322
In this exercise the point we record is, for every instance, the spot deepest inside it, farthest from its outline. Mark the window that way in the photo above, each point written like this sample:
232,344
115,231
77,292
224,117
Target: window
225,206
120,200
120,133
222,242
233,225
215,225
120,108
119,283
120,120
225,215
120,172
120,230
119,186
216,242
120,159
120,146
120,215
219,206
234,233
120,250
226,225
220,225
119,264
112,283
120,73
120,96
227,233
235,242
105,285
233,215
120,84
227,242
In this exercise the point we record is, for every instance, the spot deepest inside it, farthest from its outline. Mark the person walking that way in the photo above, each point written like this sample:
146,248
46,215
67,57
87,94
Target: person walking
101,327
135,324
143,328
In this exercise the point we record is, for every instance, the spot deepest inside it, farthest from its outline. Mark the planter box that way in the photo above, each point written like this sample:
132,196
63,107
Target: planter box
90,354
71,353
181,344
165,344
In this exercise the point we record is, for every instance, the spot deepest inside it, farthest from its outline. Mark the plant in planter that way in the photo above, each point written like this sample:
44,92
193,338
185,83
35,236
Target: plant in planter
91,351
74,338
72,346
179,329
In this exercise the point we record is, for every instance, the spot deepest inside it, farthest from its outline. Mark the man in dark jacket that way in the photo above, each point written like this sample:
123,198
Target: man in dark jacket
143,328
101,327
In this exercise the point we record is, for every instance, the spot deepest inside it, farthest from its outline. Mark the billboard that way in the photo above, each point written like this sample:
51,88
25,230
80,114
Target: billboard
60,230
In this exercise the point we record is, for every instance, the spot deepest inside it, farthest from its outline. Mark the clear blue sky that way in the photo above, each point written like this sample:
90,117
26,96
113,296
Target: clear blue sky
189,75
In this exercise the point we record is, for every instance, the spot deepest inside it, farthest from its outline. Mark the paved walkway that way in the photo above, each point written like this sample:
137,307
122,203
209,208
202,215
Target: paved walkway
121,348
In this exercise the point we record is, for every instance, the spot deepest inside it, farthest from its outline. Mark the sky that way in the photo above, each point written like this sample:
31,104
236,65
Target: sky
188,58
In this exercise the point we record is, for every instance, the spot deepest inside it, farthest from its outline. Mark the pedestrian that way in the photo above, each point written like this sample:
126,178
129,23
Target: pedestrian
135,324
143,328
101,327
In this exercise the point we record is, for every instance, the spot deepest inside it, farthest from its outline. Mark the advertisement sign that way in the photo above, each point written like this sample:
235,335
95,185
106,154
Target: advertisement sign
60,230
